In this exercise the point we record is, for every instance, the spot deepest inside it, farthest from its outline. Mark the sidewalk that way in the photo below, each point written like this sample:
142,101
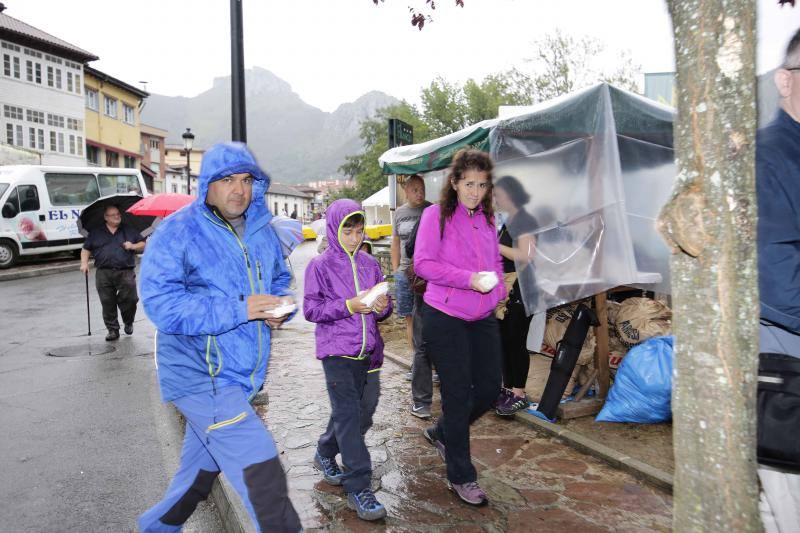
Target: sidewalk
534,481
641,449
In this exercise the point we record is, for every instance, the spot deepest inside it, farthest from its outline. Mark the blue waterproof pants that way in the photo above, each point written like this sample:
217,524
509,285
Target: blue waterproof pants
223,433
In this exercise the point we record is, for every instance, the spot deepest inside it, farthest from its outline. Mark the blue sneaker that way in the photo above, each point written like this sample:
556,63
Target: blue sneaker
329,468
366,506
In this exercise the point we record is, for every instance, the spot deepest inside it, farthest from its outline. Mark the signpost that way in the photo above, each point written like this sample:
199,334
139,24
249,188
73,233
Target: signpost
400,134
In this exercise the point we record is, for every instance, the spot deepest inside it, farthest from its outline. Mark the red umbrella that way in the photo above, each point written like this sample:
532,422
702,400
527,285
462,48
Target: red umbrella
160,205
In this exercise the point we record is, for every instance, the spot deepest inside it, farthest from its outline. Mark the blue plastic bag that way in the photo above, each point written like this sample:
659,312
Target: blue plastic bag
642,390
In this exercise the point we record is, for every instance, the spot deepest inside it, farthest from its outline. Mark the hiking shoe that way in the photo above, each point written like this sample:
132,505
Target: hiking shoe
470,492
514,404
430,436
329,468
436,379
128,329
420,410
503,398
366,506
113,334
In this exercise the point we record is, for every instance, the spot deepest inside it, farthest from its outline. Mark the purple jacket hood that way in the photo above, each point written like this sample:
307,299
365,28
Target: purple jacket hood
334,277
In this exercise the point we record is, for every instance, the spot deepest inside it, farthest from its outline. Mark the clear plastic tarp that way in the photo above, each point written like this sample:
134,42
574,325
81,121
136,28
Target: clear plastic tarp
592,170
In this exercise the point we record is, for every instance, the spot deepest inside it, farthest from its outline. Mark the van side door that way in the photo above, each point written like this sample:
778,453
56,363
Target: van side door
23,212
68,194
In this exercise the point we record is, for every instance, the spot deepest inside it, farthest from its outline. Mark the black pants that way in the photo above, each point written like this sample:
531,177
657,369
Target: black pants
514,335
467,358
421,369
346,380
117,288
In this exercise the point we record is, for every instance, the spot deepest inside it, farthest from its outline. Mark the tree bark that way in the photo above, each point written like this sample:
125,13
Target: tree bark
710,222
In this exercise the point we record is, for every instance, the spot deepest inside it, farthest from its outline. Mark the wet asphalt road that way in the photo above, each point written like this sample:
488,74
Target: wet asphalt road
87,444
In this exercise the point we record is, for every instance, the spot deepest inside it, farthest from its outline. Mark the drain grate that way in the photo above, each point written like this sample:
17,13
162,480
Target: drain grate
77,350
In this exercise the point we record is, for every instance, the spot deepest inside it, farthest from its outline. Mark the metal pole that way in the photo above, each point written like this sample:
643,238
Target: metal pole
188,174
238,120
88,317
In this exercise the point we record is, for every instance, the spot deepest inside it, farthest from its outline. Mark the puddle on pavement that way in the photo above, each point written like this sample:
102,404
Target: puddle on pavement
78,350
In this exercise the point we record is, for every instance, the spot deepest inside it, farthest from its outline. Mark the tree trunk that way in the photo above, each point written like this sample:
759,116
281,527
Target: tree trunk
710,222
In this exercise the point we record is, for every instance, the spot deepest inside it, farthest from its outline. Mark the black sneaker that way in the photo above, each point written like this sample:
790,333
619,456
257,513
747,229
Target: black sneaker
113,334
128,329
510,408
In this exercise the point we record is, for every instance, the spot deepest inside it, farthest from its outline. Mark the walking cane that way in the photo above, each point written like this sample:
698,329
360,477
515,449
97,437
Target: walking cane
88,319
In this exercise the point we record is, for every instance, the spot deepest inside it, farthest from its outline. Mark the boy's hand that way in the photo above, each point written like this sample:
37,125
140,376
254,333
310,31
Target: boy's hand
380,303
357,306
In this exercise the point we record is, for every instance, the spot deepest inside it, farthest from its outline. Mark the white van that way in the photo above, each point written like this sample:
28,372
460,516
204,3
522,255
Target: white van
41,204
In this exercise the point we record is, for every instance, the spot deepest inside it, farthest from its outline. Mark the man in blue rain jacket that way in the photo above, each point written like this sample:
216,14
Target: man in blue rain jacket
210,277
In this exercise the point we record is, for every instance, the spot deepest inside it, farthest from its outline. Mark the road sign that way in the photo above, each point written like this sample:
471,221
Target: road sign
400,133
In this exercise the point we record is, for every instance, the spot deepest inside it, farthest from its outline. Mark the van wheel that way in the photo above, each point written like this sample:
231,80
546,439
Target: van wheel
8,254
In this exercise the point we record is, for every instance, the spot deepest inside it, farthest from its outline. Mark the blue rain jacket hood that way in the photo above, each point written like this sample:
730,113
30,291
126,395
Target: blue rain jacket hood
197,274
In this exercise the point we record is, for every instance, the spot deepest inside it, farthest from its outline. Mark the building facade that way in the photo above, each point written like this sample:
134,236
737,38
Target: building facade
153,149
113,128
175,158
41,93
284,200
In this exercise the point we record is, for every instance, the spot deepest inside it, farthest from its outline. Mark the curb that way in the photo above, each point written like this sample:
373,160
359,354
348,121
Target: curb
33,273
584,444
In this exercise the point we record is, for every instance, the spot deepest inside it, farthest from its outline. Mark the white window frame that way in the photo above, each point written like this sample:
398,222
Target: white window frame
107,106
126,111
92,99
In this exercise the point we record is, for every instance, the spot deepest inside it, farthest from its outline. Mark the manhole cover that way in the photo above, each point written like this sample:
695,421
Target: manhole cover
77,350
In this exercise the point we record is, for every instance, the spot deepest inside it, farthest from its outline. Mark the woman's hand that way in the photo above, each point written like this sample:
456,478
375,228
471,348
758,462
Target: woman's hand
475,285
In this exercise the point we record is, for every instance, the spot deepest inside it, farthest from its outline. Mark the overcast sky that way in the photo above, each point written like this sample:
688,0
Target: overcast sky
333,51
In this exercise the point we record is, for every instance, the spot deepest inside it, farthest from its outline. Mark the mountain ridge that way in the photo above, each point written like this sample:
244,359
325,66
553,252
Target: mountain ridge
294,141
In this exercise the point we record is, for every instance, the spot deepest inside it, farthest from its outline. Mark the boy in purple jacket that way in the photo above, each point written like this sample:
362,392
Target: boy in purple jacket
350,347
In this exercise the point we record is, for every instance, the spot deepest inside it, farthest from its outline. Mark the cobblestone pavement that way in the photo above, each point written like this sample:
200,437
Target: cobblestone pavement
534,482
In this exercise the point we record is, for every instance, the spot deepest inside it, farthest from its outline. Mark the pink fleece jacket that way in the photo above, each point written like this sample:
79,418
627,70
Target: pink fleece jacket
469,245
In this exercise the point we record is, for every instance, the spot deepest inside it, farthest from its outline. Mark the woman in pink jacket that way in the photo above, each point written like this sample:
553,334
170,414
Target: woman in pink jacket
457,241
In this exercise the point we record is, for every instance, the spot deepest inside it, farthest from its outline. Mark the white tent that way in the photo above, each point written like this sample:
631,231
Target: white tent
377,207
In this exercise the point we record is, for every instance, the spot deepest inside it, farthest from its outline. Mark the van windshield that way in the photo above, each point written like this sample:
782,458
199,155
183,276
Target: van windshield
3,187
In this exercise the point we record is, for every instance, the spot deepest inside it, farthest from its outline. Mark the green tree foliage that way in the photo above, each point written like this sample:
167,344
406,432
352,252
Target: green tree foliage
561,64
363,168
443,107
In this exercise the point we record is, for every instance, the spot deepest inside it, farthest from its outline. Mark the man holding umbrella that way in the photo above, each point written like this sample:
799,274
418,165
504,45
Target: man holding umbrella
113,245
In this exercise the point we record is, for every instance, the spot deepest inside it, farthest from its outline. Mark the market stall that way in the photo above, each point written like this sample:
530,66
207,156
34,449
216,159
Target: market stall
596,166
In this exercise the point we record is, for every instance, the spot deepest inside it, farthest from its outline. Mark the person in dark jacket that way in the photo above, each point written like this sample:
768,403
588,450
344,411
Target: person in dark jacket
778,192
211,277
114,246
350,347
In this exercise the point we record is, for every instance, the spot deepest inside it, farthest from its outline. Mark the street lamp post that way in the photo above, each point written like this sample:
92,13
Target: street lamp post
188,140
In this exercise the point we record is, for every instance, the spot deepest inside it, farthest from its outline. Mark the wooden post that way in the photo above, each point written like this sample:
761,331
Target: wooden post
601,346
